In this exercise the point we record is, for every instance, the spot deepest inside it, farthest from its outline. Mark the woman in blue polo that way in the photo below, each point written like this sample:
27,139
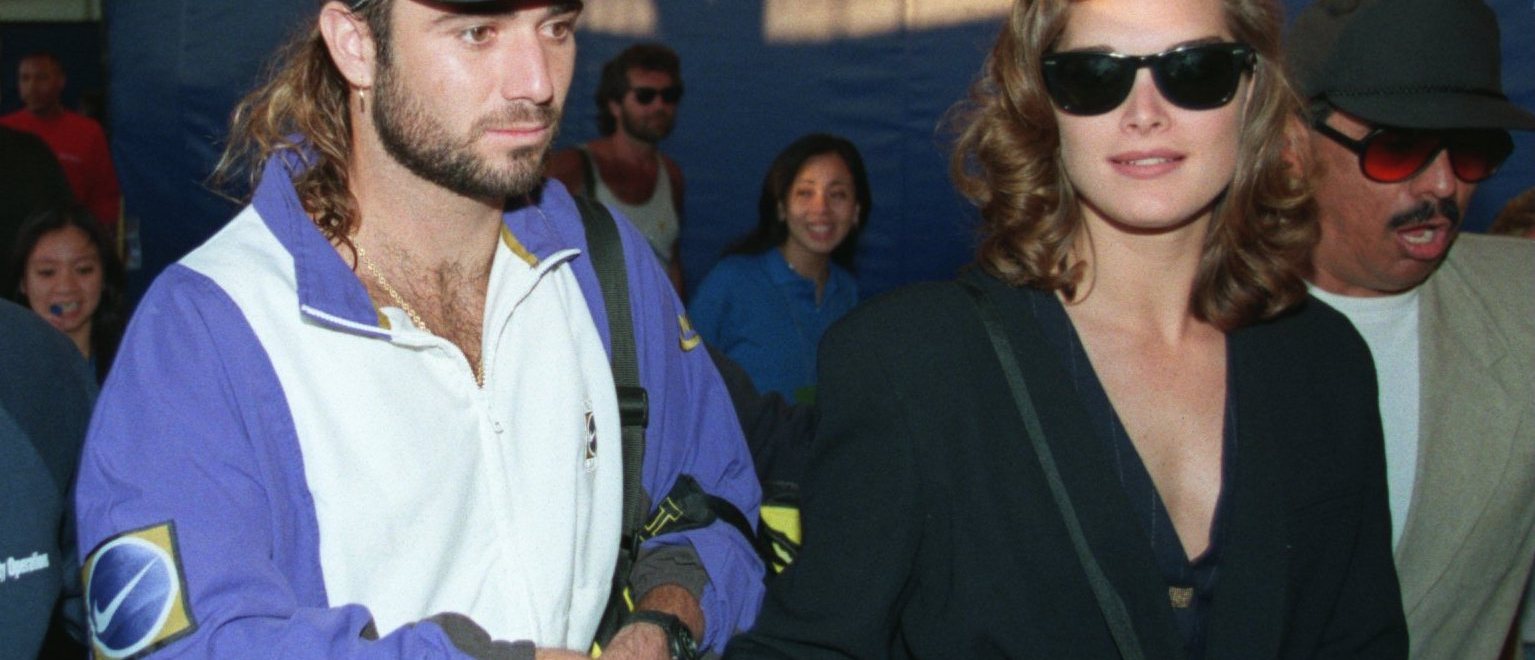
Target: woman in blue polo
767,304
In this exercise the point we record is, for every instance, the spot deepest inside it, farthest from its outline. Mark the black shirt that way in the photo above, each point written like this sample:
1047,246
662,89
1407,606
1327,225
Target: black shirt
1191,583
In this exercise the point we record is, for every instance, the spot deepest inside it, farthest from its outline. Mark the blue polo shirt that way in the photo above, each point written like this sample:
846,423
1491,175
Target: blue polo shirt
764,316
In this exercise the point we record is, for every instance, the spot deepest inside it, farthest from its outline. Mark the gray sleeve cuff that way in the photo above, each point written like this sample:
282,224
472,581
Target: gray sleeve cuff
473,641
668,564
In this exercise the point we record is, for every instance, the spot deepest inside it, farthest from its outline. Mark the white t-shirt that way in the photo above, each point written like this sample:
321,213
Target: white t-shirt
1389,325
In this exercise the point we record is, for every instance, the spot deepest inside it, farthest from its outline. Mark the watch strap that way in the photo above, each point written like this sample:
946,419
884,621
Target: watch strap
679,640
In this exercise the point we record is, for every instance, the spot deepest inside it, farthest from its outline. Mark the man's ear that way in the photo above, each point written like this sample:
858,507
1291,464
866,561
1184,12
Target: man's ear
350,43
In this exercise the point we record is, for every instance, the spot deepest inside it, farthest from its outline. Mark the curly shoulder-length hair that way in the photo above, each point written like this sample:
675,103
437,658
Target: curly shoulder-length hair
303,109
1007,161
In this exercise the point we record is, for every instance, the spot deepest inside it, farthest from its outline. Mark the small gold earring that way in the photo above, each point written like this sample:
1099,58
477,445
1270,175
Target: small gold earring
362,101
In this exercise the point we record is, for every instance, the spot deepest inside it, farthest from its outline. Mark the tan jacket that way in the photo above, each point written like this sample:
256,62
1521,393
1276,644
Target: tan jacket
1469,539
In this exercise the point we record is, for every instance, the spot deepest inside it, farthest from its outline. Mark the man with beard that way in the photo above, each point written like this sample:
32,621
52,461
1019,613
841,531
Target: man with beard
1407,114
374,415
636,108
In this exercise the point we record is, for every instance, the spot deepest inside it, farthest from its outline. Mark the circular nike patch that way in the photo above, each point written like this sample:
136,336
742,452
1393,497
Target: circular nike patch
133,593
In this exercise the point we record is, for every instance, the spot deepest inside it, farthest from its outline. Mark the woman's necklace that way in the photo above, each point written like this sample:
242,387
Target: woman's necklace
399,301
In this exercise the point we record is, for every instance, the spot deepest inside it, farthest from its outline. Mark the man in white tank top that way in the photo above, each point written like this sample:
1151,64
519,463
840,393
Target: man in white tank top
1406,118
637,102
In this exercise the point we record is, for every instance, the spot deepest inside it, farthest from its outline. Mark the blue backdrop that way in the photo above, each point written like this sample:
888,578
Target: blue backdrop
178,66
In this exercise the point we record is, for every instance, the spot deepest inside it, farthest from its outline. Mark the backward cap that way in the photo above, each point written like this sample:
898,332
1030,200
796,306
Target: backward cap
1431,64
358,4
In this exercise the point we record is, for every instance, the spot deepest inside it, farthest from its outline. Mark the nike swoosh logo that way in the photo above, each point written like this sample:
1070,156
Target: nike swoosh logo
102,619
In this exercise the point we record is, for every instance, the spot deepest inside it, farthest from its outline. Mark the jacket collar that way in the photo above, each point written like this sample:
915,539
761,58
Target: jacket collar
781,275
1465,429
332,294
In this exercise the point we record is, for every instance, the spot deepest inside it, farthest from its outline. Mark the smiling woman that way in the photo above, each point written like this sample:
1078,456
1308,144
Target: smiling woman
767,305
63,268
1129,407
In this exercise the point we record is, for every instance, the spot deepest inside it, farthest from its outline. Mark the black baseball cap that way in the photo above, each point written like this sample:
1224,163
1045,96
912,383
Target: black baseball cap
1428,64
356,4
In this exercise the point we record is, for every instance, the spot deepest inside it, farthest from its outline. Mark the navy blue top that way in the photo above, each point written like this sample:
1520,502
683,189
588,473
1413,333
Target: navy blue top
764,316
1181,574
45,402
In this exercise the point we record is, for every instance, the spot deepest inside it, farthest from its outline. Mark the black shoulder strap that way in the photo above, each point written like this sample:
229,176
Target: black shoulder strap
607,254
1113,608
687,506
588,179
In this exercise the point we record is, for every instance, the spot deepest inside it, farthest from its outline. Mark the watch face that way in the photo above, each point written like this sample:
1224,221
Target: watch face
683,646
679,640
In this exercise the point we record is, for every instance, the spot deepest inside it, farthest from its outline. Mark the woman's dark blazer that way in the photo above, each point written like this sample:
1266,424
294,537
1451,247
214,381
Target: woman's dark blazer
930,532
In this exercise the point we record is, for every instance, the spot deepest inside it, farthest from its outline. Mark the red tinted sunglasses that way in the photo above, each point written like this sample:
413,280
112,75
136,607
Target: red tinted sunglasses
1391,155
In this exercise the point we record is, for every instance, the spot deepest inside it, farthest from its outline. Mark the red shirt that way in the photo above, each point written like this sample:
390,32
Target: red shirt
81,148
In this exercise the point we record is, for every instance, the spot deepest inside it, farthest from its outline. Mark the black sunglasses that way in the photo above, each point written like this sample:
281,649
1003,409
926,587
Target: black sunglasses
646,95
1200,77
1391,155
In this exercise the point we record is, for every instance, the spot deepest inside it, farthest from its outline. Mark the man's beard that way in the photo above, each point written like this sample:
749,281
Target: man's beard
650,132
413,138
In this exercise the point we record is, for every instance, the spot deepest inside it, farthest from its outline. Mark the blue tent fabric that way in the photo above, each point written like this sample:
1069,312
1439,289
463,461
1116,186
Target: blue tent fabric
178,67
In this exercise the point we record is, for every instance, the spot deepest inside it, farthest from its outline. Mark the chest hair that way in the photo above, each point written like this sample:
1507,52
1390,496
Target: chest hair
450,298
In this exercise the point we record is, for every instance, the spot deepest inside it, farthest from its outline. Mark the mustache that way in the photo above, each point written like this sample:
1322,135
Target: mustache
1426,211
521,113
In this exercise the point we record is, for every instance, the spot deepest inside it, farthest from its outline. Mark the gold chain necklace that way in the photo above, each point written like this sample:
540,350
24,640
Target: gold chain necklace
393,295
479,371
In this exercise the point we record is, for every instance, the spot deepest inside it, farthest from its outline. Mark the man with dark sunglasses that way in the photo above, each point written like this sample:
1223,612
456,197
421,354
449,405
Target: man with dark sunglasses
637,100
1407,115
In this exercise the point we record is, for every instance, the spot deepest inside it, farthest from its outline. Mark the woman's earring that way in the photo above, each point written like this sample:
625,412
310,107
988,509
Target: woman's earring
362,101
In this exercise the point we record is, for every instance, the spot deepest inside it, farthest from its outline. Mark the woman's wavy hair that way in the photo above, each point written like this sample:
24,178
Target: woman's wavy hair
1007,161
302,109
771,230
110,316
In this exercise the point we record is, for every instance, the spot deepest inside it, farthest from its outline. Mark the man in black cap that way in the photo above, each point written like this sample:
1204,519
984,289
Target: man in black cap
1407,116
374,416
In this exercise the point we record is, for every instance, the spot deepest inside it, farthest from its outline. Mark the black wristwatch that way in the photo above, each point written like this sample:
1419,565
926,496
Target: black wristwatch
679,640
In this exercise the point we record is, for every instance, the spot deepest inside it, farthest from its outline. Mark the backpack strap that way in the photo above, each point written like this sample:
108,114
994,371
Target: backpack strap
687,506
606,250
588,182
607,253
